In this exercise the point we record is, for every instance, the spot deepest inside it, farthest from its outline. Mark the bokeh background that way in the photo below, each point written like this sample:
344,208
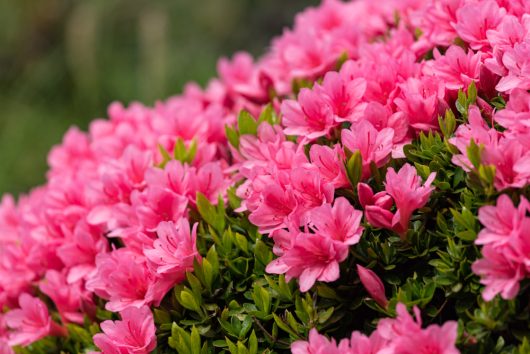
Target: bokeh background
63,61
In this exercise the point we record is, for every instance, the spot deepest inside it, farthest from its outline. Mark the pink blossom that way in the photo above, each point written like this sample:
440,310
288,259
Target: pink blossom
343,95
376,206
330,164
436,20
432,340
124,279
510,159
374,146
475,19
312,257
340,222
78,253
456,68
516,115
406,188
269,149
210,181
311,116
498,273
68,298
157,204
310,190
402,335
422,101
9,219
277,202
517,63
30,322
381,70
508,33
502,221
175,249
241,77
373,284
133,334
318,344
69,156
5,348
476,130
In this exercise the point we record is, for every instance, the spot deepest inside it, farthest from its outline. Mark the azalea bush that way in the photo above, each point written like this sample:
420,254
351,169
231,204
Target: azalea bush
361,188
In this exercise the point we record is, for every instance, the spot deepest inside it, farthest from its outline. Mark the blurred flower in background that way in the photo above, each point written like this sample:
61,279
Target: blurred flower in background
62,62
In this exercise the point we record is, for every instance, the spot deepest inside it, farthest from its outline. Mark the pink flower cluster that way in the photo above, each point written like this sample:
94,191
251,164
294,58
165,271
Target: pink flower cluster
506,248
402,335
113,219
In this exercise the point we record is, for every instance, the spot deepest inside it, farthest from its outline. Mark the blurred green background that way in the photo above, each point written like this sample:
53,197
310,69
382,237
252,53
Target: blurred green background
62,62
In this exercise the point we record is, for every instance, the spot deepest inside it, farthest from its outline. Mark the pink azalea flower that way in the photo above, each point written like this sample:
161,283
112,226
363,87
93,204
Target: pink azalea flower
9,219
476,130
382,117
475,19
157,204
68,298
403,325
432,340
343,95
124,279
312,257
374,146
436,21
422,102
311,116
277,203
516,115
499,273
406,188
381,70
517,62
319,344
455,68
330,164
508,33
210,181
69,156
175,249
310,190
376,206
502,221
373,284
510,159
133,334
30,322
340,222
402,335
241,77
5,348
79,252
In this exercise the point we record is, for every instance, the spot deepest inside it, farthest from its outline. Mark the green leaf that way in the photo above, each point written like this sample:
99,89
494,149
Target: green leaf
246,124
471,93
473,154
188,300
214,216
448,123
284,326
253,343
195,341
268,115
354,168
165,156
232,135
